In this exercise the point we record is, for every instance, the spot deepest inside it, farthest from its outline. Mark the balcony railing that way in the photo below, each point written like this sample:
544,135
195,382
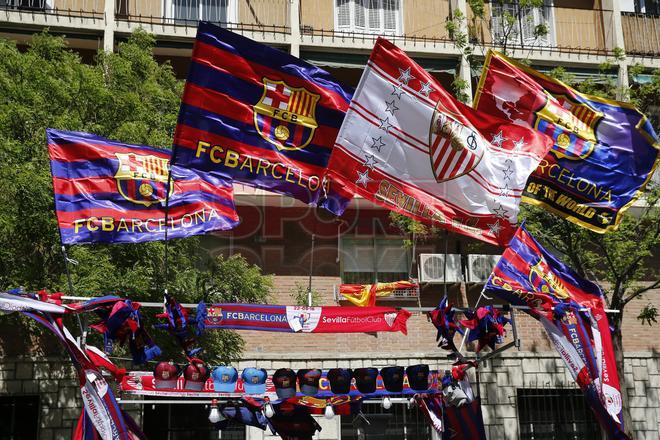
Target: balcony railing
568,29
257,15
68,8
641,34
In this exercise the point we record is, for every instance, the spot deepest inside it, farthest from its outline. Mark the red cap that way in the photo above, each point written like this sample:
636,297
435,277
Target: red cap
195,375
166,375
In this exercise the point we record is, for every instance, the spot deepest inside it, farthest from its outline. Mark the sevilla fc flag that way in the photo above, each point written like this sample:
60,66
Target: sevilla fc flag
604,151
410,146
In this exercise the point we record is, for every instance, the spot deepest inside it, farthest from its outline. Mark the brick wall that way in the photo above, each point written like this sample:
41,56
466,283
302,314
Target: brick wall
421,333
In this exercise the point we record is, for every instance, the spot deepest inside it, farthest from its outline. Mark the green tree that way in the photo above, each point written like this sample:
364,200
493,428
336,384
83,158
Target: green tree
126,96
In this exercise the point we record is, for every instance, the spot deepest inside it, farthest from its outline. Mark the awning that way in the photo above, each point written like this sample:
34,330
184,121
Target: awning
358,61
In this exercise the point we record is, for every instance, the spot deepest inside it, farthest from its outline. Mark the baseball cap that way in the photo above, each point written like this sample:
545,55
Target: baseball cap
224,379
284,380
340,380
392,379
418,377
365,379
309,381
166,375
254,380
195,375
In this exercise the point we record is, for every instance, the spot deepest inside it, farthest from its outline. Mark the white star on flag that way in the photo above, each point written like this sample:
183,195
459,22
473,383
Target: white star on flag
398,91
426,89
363,178
500,212
517,146
498,139
495,228
507,173
506,191
405,76
370,161
377,143
385,124
391,107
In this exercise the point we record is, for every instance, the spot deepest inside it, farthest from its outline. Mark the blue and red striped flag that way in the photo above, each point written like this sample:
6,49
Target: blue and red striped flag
258,115
107,191
464,422
527,274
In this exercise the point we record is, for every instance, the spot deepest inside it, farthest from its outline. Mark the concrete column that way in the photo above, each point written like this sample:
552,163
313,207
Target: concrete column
109,27
614,39
463,71
294,24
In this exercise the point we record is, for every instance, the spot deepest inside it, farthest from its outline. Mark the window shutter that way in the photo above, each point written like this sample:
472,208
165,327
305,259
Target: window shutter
374,8
343,14
358,256
215,11
391,13
186,9
359,14
391,256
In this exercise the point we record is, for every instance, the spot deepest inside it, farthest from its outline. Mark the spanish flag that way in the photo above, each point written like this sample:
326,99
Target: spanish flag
363,295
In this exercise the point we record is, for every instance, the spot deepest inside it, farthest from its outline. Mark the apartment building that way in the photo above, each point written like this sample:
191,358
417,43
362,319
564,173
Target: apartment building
526,391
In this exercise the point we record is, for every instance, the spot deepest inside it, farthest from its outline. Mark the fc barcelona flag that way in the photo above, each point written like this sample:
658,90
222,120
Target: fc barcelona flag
527,274
107,191
257,115
604,151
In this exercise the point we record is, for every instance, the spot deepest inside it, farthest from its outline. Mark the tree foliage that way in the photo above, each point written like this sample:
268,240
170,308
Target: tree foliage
125,96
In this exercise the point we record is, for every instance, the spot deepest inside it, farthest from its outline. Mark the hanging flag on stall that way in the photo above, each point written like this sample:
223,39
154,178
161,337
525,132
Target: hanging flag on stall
327,319
410,146
257,115
108,191
527,274
604,151
102,415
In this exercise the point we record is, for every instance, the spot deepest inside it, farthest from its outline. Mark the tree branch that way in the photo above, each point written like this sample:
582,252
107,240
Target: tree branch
639,291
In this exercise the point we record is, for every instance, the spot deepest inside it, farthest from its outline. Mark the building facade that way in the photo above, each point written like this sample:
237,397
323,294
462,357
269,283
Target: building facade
526,392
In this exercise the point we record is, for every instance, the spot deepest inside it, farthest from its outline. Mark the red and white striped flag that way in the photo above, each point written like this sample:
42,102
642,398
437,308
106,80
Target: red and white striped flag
410,146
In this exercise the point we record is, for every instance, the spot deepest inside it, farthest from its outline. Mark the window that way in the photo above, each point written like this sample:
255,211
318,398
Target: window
509,20
368,16
647,7
215,11
370,260
185,422
19,417
554,414
397,423
38,5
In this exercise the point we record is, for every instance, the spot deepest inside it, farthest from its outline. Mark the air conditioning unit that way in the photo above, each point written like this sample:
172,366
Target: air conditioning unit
432,268
480,267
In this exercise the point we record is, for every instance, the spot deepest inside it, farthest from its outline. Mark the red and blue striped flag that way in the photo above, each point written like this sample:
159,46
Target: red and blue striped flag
527,274
107,191
258,115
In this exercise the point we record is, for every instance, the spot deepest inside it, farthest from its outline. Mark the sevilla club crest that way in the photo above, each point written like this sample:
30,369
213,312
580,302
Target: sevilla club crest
571,124
454,149
285,116
142,179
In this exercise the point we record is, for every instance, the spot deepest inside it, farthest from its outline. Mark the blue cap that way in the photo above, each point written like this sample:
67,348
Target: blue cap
224,379
254,380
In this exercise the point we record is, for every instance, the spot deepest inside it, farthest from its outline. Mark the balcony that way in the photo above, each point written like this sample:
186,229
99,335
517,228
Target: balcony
92,9
567,29
271,16
641,34
418,25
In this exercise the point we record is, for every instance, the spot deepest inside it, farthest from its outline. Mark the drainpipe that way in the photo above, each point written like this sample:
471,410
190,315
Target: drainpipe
109,26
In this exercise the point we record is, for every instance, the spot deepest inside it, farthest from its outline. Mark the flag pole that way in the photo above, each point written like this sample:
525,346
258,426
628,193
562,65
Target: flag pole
83,328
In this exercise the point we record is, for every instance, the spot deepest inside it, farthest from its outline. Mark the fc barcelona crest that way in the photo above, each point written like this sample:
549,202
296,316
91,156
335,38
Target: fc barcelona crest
571,124
454,149
142,179
545,281
286,116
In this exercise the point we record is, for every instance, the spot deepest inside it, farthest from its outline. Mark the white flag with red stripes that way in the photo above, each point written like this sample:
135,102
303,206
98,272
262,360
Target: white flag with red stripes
409,145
